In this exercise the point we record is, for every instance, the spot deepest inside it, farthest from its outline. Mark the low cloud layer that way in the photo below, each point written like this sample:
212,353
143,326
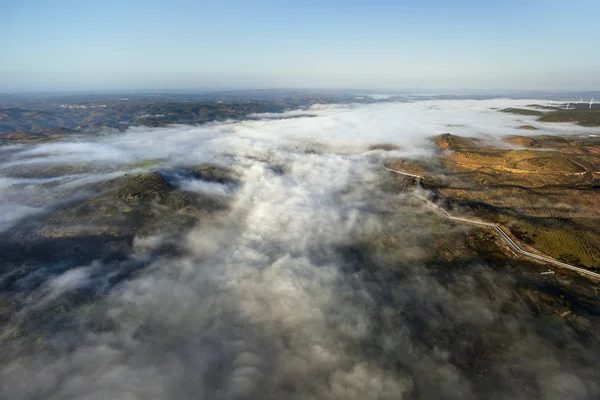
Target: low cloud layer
313,283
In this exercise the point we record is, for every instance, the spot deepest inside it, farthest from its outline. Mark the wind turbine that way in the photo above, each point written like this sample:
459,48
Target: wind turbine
591,102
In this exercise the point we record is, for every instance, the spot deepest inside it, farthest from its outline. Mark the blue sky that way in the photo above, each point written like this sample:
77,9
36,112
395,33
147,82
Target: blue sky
92,45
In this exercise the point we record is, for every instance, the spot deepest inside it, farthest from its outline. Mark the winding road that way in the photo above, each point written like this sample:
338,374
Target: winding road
514,246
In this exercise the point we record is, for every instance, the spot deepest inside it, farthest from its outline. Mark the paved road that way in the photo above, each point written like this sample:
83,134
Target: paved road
403,173
514,246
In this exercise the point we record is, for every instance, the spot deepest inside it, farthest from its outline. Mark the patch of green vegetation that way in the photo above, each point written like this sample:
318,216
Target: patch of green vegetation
551,139
149,163
576,116
384,147
212,173
522,111
541,107
528,128
562,241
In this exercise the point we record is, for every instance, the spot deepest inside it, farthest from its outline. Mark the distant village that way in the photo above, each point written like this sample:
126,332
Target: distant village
82,106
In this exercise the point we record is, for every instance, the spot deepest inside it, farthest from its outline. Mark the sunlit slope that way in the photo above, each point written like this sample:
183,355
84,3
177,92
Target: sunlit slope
548,199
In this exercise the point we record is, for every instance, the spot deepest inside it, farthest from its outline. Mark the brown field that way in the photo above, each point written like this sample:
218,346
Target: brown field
549,200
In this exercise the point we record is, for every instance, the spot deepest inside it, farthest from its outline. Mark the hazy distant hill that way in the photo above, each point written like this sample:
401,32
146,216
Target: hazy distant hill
92,113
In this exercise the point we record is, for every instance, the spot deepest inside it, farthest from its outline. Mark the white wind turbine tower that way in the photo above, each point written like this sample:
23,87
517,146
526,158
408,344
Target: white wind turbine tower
591,102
